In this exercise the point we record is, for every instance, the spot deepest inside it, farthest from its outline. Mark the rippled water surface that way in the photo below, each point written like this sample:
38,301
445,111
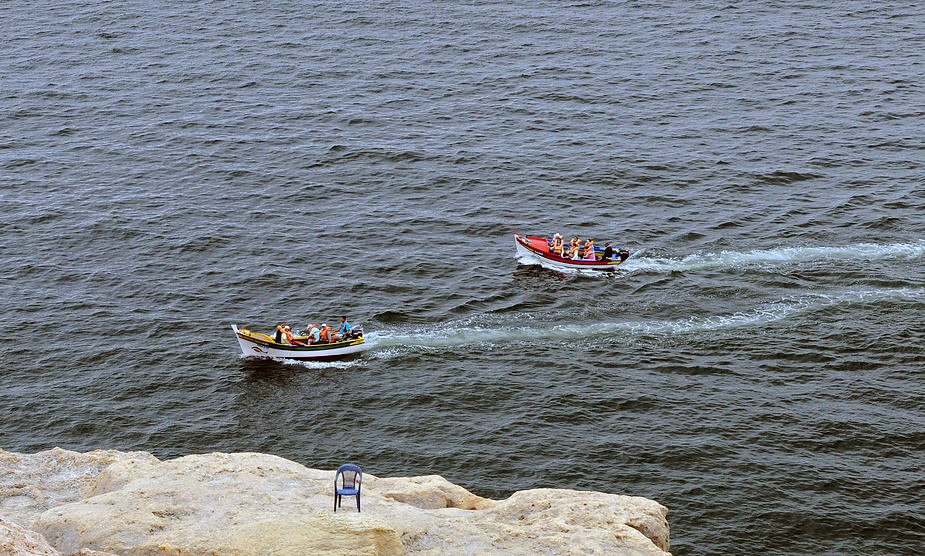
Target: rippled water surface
167,169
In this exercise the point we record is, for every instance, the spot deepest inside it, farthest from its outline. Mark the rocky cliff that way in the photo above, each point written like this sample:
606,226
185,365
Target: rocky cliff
130,503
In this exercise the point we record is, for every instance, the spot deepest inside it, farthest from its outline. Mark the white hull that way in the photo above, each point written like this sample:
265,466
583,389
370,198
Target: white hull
254,346
523,251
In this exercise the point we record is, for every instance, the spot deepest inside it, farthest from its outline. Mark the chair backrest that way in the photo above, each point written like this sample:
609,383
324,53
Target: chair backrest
351,476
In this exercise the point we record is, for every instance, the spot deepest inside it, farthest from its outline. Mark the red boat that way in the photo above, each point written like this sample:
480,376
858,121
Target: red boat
540,248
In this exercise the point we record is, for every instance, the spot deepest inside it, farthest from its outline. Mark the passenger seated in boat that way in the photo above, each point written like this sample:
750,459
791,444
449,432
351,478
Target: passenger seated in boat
608,253
313,334
343,332
325,334
589,250
573,248
557,244
283,334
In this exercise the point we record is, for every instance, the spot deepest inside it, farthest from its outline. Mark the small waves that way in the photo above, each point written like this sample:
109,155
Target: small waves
455,334
766,258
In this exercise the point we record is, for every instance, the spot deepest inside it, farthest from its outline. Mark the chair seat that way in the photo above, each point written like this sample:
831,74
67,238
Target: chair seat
347,491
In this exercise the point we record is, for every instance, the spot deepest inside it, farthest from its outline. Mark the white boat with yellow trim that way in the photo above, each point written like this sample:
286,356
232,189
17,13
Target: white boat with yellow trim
255,344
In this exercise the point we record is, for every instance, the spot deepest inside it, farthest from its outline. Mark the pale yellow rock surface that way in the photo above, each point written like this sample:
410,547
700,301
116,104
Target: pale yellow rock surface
18,541
430,492
255,504
33,483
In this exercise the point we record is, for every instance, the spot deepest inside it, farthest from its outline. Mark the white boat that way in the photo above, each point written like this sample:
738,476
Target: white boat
540,249
255,344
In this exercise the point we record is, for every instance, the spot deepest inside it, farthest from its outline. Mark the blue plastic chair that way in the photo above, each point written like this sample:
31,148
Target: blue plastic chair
351,478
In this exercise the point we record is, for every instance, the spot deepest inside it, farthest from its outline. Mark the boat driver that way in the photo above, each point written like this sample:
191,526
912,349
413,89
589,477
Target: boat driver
342,332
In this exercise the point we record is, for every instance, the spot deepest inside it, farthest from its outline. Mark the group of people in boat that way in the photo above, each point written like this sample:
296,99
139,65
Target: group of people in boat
578,252
316,334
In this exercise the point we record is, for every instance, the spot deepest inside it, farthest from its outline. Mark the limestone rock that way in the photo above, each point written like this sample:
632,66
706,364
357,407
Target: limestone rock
16,541
430,492
33,483
547,521
623,520
215,504
252,504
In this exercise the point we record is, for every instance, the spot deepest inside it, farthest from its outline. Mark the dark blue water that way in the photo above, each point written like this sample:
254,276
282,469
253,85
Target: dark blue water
756,365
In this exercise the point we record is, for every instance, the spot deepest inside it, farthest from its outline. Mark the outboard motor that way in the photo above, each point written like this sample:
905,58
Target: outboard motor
624,254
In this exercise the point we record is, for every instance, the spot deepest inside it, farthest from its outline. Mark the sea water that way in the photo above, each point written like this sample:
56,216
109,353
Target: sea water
756,366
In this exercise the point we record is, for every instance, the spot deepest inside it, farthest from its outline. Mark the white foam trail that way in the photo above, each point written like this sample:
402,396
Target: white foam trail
528,260
320,364
773,257
453,335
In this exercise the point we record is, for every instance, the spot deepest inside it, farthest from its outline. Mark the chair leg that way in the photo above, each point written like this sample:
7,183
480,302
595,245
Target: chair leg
335,503
358,502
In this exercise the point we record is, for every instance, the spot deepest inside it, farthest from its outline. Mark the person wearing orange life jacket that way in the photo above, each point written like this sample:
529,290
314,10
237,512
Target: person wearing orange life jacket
573,248
557,244
589,250
325,334
284,334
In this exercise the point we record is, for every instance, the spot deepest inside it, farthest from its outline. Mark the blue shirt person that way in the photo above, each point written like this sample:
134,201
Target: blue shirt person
343,332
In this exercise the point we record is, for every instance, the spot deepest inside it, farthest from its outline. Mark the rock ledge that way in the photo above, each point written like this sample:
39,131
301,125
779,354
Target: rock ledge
130,503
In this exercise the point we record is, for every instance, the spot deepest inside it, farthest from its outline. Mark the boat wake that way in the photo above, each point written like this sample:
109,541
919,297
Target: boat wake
451,335
775,257
315,364
528,260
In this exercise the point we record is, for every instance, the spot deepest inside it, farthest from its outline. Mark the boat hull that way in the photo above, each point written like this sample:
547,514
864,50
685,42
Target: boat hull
537,248
262,346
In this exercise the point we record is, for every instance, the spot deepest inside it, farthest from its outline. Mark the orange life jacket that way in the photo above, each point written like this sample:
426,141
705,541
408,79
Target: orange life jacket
557,245
589,250
285,333
324,333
